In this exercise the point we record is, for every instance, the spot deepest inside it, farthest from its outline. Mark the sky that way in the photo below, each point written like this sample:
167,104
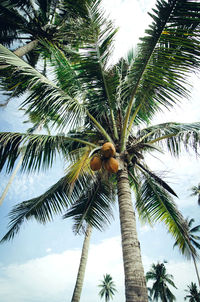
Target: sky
41,263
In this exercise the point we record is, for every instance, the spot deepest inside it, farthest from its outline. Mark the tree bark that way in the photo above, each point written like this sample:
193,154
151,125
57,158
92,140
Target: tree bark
23,50
195,265
82,266
135,283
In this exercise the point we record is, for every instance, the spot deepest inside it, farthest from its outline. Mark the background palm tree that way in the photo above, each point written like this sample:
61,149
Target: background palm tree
82,266
107,288
196,192
59,22
160,289
193,293
97,103
102,193
30,22
193,238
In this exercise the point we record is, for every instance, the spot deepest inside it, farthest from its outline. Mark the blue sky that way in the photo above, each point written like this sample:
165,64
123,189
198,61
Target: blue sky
41,263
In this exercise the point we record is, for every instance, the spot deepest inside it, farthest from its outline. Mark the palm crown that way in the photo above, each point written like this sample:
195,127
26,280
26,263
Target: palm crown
160,289
92,102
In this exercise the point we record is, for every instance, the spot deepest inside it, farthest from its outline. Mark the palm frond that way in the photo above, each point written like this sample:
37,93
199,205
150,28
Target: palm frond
91,67
160,181
81,165
42,208
166,56
39,151
155,204
60,197
173,136
46,99
94,205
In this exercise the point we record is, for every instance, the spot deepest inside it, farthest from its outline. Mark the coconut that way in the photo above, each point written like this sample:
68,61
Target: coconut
111,165
95,163
108,150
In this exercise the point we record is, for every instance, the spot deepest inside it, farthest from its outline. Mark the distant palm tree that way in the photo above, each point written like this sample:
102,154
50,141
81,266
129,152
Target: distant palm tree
82,266
194,294
160,289
107,288
196,192
193,239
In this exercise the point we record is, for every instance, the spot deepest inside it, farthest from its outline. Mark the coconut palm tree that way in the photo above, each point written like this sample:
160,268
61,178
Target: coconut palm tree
27,23
196,192
99,103
34,20
193,238
194,294
160,289
82,266
107,288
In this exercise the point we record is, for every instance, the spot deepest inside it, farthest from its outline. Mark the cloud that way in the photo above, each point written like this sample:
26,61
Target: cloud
52,277
131,17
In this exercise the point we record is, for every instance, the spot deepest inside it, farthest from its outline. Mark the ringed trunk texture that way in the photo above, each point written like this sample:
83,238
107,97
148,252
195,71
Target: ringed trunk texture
21,51
82,266
135,283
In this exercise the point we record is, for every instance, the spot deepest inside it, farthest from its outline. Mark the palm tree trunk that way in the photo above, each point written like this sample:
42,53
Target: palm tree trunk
10,180
82,266
195,265
21,51
135,284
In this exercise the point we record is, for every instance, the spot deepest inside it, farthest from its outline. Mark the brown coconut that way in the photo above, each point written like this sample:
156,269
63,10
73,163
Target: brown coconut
95,163
111,165
108,150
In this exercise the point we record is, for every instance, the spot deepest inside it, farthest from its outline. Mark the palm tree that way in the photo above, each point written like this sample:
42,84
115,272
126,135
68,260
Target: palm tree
194,294
29,23
196,192
160,289
82,266
193,238
60,22
99,103
86,202
107,288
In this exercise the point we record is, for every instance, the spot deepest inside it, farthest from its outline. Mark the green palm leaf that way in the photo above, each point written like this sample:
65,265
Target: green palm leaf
46,98
94,205
166,55
155,204
39,151
173,136
43,208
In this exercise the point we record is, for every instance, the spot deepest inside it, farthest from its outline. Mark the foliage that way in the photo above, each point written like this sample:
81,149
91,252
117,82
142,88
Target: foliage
107,288
92,102
196,192
192,237
193,293
160,289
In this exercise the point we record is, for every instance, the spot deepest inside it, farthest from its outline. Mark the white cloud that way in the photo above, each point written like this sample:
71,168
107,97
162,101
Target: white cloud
52,277
131,17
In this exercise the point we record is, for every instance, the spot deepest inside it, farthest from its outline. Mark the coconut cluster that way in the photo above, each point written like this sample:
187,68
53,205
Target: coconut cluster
105,159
